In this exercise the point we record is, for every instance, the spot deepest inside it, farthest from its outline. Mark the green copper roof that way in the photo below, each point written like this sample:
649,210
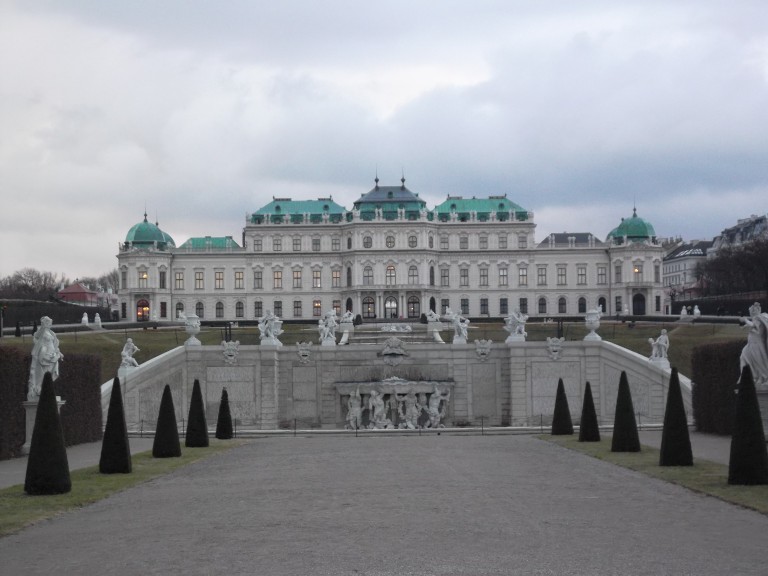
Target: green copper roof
634,229
210,243
481,206
294,210
145,235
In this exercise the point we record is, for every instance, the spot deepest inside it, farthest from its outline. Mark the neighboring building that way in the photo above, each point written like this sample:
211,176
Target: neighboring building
78,293
389,257
679,274
746,230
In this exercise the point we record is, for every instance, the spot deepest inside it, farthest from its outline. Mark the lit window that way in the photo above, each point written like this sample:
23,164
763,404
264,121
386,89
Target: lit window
503,279
316,275
218,280
239,280
277,279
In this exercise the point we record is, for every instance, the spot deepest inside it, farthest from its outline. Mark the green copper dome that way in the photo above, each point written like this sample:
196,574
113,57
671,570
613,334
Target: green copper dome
148,235
634,229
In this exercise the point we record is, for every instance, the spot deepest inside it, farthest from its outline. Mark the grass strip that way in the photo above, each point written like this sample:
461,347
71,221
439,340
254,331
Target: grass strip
704,477
18,510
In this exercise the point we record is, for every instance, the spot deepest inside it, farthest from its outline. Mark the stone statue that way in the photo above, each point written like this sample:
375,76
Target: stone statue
755,353
45,357
354,410
97,320
460,326
270,327
432,316
592,322
696,311
378,411
326,326
515,325
348,317
409,409
437,407
683,311
84,320
127,354
660,346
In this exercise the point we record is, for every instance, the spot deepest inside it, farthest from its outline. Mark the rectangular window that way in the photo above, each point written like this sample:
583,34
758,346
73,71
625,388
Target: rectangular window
638,271
179,281
239,279
278,308
503,278
316,282
257,247
658,303
503,306
444,305
258,282
317,308
124,281
581,275
483,242
617,274
143,278
164,309
542,305
443,242
561,271
484,306
523,305
277,244
218,280
257,310
162,280
463,243
445,277
541,276
315,244
199,281
465,306
296,244
483,276
522,277
336,278
123,308
656,274
602,275
277,280
463,277
618,305
297,278
561,306
522,241
335,244
502,241
337,307
297,308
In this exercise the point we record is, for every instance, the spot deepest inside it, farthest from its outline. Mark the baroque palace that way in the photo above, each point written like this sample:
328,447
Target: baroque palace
390,256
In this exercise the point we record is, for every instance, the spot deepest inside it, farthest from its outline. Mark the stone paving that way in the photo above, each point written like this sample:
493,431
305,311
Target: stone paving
397,505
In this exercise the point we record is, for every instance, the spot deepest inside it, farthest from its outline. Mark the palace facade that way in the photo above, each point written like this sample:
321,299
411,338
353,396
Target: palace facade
390,256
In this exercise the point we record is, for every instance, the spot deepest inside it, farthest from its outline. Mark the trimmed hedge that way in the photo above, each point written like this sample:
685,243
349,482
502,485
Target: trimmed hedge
14,372
561,419
715,373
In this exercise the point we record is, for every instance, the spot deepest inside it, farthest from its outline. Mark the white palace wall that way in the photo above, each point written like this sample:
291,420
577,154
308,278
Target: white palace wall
512,385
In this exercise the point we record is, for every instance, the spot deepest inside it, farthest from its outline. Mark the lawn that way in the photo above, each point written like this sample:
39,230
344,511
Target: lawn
704,477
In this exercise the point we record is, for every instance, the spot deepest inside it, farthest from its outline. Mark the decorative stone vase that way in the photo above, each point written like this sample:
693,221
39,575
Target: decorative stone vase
192,328
592,321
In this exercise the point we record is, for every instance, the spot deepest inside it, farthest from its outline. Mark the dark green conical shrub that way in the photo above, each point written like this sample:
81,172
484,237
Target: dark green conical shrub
224,421
47,465
166,444
675,440
561,420
625,435
589,430
748,463
197,427
115,448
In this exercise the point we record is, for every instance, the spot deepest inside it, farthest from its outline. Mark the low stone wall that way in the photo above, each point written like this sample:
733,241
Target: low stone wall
308,386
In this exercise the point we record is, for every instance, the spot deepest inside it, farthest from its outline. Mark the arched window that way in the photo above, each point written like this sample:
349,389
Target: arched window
390,307
349,277
562,307
582,305
542,305
219,310
413,275
368,276
349,243
200,310
239,310
179,309
369,307
367,242
602,304
391,277
431,275
431,242
414,307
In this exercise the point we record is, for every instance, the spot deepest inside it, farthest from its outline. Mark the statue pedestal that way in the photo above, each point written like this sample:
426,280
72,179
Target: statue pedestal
459,340
30,406
514,338
660,362
594,336
124,371
192,341
328,342
270,341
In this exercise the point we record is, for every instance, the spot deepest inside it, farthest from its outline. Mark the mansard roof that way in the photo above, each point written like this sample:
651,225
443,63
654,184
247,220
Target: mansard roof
563,240
694,249
482,207
210,243
295,210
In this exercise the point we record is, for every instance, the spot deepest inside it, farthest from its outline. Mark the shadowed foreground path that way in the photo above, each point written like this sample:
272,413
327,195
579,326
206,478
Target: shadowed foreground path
400,505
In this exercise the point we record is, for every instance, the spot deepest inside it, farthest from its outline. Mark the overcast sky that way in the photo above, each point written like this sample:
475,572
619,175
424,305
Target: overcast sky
203,111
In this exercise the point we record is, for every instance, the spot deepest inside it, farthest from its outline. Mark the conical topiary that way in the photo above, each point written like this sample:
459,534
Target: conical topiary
561,420
166,444
625,436
589,430
748,463
47,465
115,448
197,427
675,440
224,421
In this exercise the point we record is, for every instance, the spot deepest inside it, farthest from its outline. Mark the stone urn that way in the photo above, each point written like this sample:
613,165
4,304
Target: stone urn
592,321
192,328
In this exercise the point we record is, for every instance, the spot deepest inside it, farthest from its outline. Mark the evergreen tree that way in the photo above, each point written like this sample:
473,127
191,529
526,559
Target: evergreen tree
166,444
224,421
47,465
197,427
625,435
589,430
115,448
675,440
748,463
561,420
